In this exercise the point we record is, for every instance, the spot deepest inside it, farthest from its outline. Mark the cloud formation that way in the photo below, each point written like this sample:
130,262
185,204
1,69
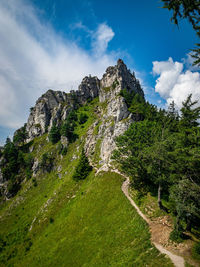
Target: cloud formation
102,37
33,58
175,83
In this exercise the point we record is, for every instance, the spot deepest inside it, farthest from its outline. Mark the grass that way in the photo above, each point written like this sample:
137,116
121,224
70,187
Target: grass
89,223
89,110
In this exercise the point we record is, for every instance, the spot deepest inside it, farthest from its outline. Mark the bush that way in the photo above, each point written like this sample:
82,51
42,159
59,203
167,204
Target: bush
64,151
83,168
47,162
83,118
28,173
13,187
176,236
196,251
34,182
51,220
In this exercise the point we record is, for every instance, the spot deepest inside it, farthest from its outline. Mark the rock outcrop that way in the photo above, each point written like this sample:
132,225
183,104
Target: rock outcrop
54,106
47,106
115,117
88,89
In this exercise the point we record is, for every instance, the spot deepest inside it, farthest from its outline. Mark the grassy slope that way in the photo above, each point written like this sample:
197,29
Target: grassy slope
97,227
89,223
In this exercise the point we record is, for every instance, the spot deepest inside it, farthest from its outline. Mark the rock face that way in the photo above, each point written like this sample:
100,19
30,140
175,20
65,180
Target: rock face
47,106
88,89
116,78
115,118
54,106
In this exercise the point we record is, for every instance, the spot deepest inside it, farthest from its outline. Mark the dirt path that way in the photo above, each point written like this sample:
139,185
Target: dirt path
178,261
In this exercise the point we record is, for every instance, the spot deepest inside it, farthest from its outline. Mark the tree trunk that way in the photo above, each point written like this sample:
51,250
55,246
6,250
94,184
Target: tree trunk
159,196
189,224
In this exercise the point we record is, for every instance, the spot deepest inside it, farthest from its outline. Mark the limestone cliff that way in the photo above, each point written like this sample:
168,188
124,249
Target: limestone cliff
114,118
54,106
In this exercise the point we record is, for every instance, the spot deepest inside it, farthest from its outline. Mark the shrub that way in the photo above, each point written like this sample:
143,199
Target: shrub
13,187
34,181
83,118
28,173
47,162
176,236
196,251
51,220
64,151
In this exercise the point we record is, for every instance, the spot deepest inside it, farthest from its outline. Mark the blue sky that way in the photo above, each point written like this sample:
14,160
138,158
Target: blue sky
54,44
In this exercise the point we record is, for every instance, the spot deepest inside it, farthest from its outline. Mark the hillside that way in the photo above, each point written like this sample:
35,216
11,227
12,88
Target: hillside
48,217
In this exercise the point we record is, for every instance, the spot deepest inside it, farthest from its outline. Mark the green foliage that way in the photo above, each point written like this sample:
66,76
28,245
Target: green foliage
64,151
16,165
189,114
47,162
34,181
138,106
13,186
83,168
54,134
106,89
20,135
82,118
10,154
72,116
196,251
176,235
68,127
115,83
51,220
186,9
128,96
163,152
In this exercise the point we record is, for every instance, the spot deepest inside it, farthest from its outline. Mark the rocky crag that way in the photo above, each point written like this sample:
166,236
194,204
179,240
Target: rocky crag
113,117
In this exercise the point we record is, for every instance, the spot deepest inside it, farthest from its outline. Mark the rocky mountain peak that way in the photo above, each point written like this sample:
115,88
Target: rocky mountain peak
115,79
54,106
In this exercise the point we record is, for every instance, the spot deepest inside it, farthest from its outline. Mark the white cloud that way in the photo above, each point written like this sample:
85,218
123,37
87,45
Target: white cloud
174,83
102,37
33,58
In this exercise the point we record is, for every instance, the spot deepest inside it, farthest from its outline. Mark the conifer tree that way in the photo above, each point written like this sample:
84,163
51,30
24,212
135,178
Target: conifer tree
83,168
54,134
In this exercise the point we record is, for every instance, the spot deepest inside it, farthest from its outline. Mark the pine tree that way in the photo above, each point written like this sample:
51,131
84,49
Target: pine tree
83,168
54,134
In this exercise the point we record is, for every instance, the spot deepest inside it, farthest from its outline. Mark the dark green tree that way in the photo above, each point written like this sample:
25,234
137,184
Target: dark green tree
83,168
68,126
54,134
